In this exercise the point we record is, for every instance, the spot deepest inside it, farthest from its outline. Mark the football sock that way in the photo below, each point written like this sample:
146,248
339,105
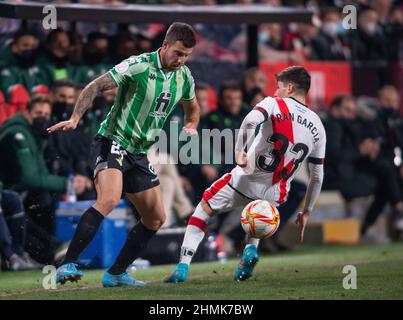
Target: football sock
252,242
194,234
137,240
85,232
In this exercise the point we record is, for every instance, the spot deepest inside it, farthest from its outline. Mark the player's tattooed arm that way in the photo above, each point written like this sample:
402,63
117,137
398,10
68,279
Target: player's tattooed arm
192,115
84,102
87,96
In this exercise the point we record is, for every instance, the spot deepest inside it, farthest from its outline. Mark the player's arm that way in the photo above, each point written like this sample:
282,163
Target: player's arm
247,132
315,166
84,101
192,116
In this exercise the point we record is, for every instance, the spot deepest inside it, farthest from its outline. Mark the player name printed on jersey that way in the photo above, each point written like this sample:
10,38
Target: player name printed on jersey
302,121
289,133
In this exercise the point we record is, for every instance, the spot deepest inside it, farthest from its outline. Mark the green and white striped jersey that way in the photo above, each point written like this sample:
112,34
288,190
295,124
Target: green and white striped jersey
146,96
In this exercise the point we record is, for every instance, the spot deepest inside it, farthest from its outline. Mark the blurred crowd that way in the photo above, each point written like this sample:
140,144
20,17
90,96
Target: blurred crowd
331,36
42,75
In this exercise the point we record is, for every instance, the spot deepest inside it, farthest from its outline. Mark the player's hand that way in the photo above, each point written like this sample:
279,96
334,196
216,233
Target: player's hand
189,131
301,221
63,126
241,159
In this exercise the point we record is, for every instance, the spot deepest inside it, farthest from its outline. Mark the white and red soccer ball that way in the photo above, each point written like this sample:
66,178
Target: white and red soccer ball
260,219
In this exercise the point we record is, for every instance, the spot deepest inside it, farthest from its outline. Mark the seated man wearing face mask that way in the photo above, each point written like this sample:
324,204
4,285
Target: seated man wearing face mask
68,152
23,139
94,58
328,44
18,63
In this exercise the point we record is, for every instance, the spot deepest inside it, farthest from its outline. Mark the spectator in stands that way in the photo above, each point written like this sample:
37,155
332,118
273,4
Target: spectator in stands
353,165
76,48
254,97
23,169
55,63
229,115
394,33
328,44
367,42
382,7
64,95
94,58
253,78
68,152
123,46
18,63
386,127
202,96
13,233
292,46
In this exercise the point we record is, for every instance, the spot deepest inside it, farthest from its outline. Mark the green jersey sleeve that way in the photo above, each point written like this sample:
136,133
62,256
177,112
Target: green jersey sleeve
189,87
128,70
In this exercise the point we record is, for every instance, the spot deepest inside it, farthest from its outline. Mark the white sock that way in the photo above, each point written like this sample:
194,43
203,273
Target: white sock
194,234
252,242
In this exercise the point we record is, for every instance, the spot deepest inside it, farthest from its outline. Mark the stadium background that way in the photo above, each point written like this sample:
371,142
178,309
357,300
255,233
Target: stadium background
361,67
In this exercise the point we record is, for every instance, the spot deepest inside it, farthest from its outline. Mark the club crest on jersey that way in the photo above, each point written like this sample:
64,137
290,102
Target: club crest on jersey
152,76
162,104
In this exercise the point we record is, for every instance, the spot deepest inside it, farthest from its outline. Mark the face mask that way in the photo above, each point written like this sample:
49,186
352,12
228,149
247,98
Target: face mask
58,61
346,122
95,57
62,110
26,58
370,28
340,29
100,103
389,112
40,124
331,29
264,37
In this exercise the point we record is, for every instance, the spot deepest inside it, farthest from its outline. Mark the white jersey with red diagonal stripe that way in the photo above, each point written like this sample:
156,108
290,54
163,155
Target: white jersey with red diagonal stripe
289,134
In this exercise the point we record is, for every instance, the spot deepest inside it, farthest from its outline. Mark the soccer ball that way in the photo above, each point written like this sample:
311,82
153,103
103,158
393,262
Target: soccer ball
260,219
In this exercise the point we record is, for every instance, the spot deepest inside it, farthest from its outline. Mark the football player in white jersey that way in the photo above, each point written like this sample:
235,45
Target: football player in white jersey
289,133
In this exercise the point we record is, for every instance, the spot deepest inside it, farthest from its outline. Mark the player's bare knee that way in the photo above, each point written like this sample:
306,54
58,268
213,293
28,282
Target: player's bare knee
155,223
108,204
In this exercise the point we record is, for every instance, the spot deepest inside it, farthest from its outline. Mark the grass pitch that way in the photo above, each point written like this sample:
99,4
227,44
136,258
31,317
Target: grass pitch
309,272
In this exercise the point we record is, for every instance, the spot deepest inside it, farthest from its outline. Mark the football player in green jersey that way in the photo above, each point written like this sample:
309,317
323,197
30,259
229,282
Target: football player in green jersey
149,87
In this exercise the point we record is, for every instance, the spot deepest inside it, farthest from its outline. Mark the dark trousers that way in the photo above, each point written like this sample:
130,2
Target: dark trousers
41,242
14,216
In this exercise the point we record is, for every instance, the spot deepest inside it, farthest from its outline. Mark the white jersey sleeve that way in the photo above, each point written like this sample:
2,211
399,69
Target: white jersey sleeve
259,114
315,166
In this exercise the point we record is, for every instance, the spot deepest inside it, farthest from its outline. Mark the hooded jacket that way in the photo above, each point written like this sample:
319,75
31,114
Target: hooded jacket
22,163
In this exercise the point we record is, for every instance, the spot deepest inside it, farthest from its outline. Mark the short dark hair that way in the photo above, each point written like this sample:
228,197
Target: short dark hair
22,33
338,100
63,83
201,86
296,75
93,36
53,34
324,12
39,98
229,85
179,31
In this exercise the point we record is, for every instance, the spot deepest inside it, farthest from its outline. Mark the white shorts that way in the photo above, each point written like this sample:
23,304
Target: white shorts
222,197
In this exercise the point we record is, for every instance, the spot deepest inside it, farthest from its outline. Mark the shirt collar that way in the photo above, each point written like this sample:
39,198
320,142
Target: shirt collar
156,59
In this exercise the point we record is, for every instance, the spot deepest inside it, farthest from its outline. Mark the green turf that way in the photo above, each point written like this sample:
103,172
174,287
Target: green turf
310,272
